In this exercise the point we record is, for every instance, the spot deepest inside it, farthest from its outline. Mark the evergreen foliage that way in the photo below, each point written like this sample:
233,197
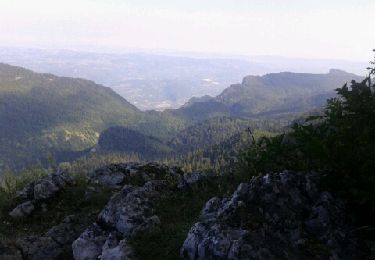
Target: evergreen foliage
340,144
122,139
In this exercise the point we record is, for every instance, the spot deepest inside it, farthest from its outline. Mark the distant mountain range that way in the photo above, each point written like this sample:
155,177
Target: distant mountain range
274,95
163,80
44,115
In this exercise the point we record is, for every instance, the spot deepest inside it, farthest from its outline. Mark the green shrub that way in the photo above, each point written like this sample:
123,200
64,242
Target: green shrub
339,144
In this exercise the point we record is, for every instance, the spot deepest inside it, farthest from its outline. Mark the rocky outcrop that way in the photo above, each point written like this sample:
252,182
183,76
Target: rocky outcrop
110,176
128,213
89,244
192,178
130,210
36,192
51,245
36,247
277,216
95,243
116,175
46,187
114,249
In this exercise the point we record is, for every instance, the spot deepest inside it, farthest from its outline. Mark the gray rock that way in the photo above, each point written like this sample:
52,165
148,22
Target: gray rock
111,176
115,249
22,210
130,210
46,187
209,212
67,231
189,179
273,217
27,192
39,191
95,243
155,171
127,213
89,244
36,248
54,242
115,175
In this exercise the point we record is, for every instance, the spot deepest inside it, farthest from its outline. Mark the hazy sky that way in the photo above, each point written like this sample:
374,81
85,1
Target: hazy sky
342,29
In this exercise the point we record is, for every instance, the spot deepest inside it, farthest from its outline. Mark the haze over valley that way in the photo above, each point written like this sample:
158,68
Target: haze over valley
159,80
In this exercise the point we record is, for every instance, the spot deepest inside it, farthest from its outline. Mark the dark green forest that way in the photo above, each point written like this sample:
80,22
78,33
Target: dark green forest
63,119
339,145
44,117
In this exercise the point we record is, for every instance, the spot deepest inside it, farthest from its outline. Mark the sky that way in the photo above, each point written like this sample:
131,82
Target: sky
330,29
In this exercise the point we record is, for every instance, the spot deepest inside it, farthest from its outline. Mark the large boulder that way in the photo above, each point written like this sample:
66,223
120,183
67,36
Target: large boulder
130,210
46,187
41,190
54,243
116,249
96,243
127,213
67,231
277,216
112,176
88,246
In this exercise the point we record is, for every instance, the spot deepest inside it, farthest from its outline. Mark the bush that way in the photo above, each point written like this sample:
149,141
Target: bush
339,144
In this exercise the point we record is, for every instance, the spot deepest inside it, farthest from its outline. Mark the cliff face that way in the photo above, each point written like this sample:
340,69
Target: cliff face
277,216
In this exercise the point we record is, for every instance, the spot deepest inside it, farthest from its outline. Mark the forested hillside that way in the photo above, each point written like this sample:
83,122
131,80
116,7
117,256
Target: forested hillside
124,140
276,95
46,117
43,115
339,145
161,80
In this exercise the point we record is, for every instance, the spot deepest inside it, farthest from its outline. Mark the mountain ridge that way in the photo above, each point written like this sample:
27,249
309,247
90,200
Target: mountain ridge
46,115
264,95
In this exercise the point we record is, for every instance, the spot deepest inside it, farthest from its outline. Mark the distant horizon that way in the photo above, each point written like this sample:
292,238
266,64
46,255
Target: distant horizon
320,29
133,72
177,53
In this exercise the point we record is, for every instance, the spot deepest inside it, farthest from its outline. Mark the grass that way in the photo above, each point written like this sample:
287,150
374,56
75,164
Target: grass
10,183
70,201
178,211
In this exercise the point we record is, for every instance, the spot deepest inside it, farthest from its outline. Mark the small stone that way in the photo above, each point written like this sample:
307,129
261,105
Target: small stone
44,189
22,210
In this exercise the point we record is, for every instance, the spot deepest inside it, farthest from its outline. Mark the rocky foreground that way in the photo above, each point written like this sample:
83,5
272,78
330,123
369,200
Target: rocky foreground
277,216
